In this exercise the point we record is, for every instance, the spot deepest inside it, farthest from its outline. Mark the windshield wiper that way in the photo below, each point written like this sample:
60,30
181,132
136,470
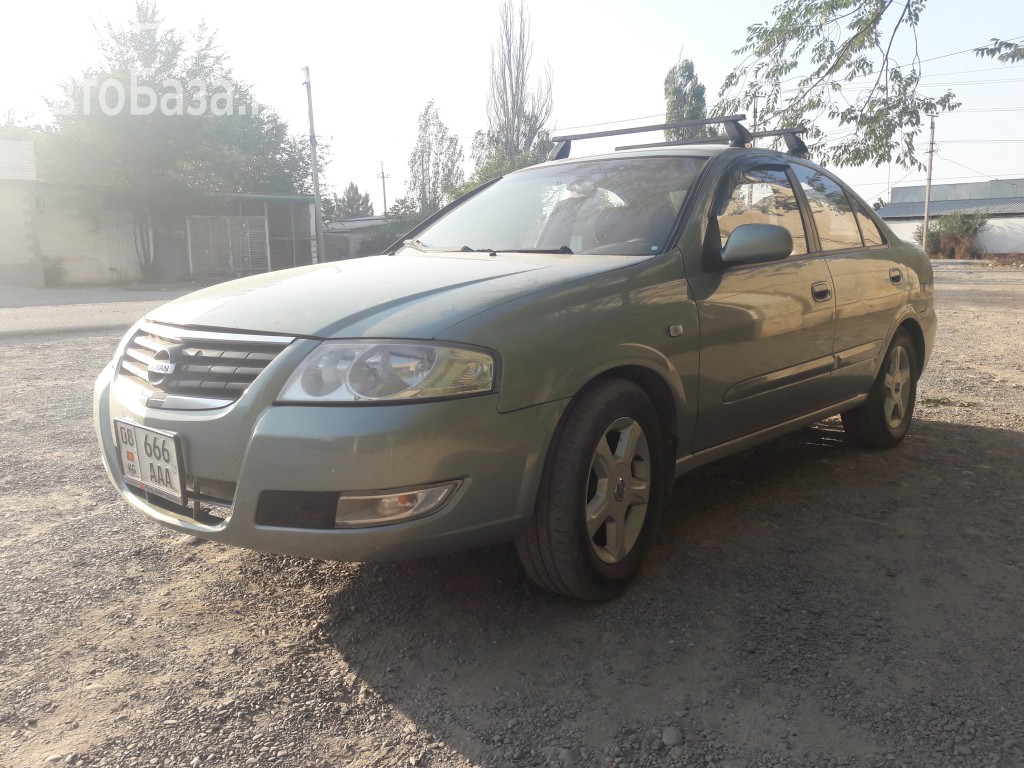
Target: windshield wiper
563,249
419,246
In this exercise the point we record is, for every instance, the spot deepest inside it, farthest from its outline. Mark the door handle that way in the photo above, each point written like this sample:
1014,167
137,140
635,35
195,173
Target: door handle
821,291
895,276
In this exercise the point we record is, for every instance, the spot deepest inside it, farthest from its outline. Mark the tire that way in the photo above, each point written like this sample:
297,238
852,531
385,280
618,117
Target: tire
884,419
601,494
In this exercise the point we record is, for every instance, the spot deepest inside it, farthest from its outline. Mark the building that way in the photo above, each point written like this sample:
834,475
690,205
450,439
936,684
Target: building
1002,203
364,236
20,259
221,236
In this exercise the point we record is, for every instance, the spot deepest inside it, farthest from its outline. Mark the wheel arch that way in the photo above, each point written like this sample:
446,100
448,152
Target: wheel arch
913,328
658,391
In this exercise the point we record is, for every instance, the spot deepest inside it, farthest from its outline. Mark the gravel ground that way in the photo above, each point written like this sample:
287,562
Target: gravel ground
806,603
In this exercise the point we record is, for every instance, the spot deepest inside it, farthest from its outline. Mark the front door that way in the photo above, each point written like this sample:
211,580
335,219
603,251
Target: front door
766,330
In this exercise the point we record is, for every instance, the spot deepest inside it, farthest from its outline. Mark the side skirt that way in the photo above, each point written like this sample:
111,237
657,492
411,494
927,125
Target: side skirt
694,460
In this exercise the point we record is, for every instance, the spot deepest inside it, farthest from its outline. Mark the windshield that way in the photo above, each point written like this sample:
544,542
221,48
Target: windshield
624,205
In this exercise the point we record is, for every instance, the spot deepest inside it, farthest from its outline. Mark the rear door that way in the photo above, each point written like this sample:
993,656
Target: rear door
871,287
765,330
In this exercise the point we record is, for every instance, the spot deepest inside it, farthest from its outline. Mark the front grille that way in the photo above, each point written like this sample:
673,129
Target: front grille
191,369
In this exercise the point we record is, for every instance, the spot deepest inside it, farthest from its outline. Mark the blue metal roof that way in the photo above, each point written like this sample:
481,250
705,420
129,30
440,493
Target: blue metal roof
995,206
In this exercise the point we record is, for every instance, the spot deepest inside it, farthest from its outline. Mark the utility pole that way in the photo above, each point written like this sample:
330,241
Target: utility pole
753,142
318,220
928,185
384,186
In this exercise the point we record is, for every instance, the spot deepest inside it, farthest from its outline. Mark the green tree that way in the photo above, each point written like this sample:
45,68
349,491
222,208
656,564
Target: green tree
435,165
516,109
684,100
807,63
158,123
13,128
403,208
351,205
1002,50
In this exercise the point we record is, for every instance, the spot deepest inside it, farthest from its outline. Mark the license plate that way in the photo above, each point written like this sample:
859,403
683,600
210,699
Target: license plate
150,459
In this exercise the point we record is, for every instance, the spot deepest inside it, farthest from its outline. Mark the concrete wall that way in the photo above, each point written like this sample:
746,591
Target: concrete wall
85,249
904,229
20,263
1003,235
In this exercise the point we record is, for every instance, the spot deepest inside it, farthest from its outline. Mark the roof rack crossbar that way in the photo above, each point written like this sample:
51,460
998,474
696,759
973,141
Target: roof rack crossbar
780,132
794,144
736,132
645,128
720,139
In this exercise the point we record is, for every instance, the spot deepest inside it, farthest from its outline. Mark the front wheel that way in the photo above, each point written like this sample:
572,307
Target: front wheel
883,420
601,495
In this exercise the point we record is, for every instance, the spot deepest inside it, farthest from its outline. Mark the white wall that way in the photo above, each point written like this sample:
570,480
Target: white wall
19,260
904,229
1003,235
91,249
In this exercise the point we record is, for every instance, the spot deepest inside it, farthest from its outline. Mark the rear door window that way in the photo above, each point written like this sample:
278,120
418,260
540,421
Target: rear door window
830,207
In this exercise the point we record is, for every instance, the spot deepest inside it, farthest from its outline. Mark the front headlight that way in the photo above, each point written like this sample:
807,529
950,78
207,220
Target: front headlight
345,372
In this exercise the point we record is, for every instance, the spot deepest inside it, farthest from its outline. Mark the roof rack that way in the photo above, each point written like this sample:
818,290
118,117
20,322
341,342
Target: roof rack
736,134
794,144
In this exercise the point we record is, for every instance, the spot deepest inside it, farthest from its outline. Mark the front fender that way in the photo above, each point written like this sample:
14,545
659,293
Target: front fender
552,344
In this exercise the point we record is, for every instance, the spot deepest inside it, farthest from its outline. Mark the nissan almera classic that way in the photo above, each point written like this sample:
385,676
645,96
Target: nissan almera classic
536,363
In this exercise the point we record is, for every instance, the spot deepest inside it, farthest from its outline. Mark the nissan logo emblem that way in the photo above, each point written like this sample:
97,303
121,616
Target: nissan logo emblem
161,367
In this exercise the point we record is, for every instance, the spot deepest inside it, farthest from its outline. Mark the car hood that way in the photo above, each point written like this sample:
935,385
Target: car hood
379,296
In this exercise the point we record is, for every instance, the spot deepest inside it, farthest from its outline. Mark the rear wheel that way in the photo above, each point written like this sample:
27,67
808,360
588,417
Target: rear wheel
884,419
601,495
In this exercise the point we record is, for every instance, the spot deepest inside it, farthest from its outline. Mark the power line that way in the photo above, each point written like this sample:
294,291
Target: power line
871,78
966,50
985,109
661,114
973,71
975,170
997,81
924,61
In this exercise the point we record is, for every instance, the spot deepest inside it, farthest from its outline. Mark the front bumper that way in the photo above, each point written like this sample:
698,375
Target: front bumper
255,446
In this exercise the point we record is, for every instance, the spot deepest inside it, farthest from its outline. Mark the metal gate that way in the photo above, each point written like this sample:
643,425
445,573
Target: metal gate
227,246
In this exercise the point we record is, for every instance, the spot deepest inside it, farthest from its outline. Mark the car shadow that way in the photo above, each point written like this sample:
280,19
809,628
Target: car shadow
773,571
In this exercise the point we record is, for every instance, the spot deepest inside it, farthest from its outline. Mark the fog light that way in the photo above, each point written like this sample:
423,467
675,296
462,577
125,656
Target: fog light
362,510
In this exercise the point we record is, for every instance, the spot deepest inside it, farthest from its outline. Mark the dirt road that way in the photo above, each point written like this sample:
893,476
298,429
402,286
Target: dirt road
806,604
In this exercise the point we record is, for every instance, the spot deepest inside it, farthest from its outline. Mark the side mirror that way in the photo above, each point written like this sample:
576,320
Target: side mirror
756,244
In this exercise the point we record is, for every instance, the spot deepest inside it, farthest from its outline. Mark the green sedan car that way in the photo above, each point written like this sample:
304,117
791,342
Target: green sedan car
535,364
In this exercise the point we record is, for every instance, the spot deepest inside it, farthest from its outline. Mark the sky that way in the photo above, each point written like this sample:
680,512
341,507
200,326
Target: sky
375,65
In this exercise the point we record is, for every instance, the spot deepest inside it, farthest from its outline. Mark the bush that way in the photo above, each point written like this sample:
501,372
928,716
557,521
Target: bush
952,235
